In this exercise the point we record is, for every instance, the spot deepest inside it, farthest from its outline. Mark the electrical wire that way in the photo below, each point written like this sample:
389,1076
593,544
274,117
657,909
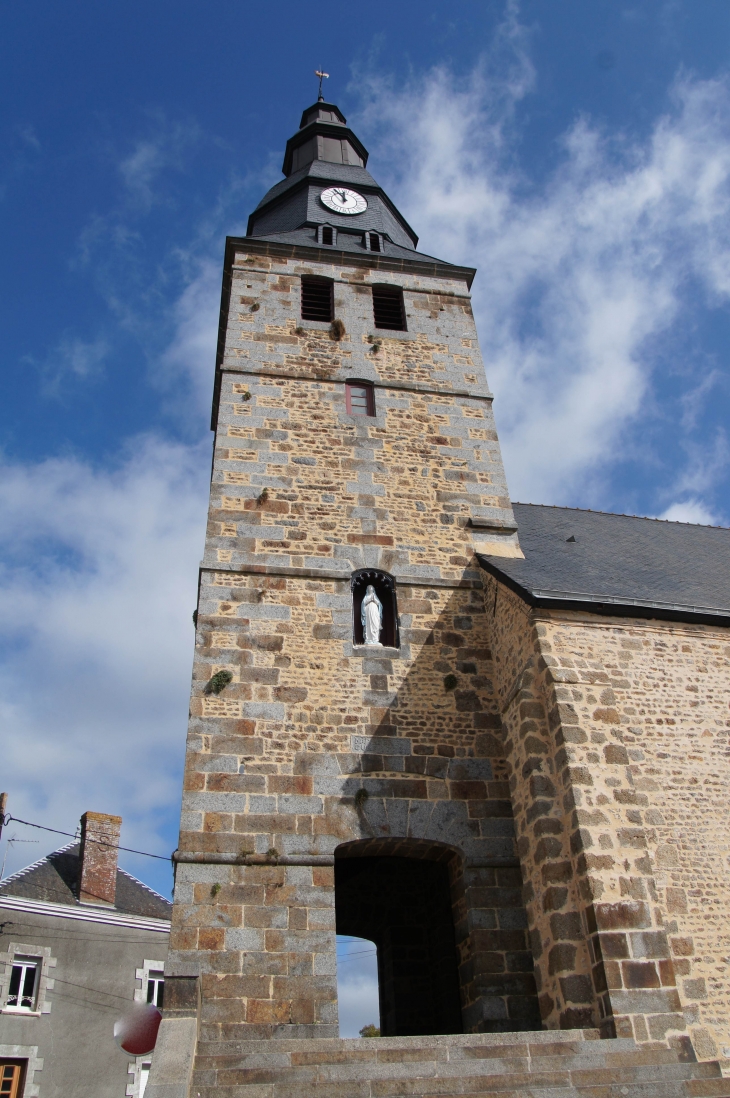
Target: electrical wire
56,936
14,819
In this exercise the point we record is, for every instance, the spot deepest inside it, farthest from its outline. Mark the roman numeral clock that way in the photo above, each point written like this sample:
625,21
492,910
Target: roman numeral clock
343,200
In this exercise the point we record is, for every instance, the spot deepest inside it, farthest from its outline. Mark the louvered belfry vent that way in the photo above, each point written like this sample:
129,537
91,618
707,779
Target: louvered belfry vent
317,299
388,308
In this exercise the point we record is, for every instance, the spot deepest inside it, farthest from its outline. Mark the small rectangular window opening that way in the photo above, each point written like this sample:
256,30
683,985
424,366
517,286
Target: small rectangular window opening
156,988
327,235
360,400
23,979
388,308
374,242
317,299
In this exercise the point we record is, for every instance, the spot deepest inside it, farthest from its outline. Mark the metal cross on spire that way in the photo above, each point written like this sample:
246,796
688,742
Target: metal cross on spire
322,75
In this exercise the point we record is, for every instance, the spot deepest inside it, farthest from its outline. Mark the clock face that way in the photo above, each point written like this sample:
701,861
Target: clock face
344,201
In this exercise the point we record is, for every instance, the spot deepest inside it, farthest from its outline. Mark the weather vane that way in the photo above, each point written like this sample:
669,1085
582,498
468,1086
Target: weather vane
322,76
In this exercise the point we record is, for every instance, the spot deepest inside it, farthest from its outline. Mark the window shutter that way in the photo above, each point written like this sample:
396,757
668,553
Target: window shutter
388,308
317,299
10,1075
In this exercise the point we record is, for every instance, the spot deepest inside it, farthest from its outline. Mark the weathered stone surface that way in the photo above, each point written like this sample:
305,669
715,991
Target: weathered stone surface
514,1064
567,772
317,743
639,848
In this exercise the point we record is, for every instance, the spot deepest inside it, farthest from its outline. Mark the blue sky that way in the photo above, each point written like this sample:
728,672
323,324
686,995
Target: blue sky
577,153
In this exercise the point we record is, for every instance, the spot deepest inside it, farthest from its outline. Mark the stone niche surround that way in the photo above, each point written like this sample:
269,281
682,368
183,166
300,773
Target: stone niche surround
616,734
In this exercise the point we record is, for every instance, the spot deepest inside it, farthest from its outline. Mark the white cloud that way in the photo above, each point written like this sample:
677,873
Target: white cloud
185,371
28,136
75,357
705,466
167,147
98,586
580,275
691,510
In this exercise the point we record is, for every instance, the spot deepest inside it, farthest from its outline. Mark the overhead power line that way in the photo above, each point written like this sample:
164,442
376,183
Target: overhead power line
128,849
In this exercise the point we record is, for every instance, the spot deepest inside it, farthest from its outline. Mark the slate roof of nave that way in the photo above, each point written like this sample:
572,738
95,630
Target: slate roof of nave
618,564
54,879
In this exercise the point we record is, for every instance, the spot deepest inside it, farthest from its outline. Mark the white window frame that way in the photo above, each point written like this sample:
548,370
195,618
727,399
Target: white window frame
22,951
140,1078
156,977
26,966
143,975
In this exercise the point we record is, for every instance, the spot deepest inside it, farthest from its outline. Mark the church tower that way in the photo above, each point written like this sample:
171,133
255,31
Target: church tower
353,729
355,448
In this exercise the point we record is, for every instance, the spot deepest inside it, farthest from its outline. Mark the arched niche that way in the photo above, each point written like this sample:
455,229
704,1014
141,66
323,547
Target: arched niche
384,585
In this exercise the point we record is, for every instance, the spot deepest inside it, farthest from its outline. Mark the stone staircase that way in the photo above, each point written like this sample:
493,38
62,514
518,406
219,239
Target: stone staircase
546,1064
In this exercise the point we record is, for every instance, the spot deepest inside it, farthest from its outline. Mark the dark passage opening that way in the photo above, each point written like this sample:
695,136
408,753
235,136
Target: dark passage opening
404,906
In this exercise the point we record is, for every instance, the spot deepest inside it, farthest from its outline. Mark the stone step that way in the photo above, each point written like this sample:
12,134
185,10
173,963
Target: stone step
545,1064
417,1089
350,1069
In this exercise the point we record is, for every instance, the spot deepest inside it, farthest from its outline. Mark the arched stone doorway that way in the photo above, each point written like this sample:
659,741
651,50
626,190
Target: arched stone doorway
397,893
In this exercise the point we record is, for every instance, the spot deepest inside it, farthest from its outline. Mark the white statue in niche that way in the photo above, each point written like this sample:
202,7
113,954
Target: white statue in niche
371,613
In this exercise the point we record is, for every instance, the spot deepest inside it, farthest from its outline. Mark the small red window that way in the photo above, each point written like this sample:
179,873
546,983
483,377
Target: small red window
360,399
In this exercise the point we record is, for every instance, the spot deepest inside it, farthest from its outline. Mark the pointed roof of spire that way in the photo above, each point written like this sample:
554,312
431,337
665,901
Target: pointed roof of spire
323,134
325,153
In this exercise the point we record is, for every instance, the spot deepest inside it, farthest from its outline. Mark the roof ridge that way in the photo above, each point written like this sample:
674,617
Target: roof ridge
619,514
35,865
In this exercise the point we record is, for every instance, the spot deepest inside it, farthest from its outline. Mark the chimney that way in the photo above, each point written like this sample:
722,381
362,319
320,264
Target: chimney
98,857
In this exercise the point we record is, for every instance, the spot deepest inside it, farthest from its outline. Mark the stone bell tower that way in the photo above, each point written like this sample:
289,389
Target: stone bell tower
355,446
335,785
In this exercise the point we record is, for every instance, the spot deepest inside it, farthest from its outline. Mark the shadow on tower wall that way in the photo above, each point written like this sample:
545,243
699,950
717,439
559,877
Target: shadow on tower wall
426,782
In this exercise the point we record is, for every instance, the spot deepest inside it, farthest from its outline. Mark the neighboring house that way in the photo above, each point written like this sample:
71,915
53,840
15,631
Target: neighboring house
80,940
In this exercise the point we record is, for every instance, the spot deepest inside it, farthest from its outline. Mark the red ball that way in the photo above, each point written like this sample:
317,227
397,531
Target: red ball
136,1031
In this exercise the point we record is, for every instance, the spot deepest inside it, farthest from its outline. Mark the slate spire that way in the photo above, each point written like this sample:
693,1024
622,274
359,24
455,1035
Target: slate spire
325,152
323,134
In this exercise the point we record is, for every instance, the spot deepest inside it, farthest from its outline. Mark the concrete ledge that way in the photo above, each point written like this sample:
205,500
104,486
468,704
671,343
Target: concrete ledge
213,858
316,1045
172,1063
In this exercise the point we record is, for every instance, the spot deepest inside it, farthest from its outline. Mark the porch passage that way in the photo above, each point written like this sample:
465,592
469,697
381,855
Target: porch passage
404,906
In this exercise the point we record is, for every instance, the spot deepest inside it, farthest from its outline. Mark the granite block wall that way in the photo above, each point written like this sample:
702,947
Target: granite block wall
316,742
617,737
568,769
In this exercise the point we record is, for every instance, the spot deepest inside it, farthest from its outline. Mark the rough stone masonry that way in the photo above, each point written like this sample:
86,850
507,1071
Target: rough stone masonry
553,780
